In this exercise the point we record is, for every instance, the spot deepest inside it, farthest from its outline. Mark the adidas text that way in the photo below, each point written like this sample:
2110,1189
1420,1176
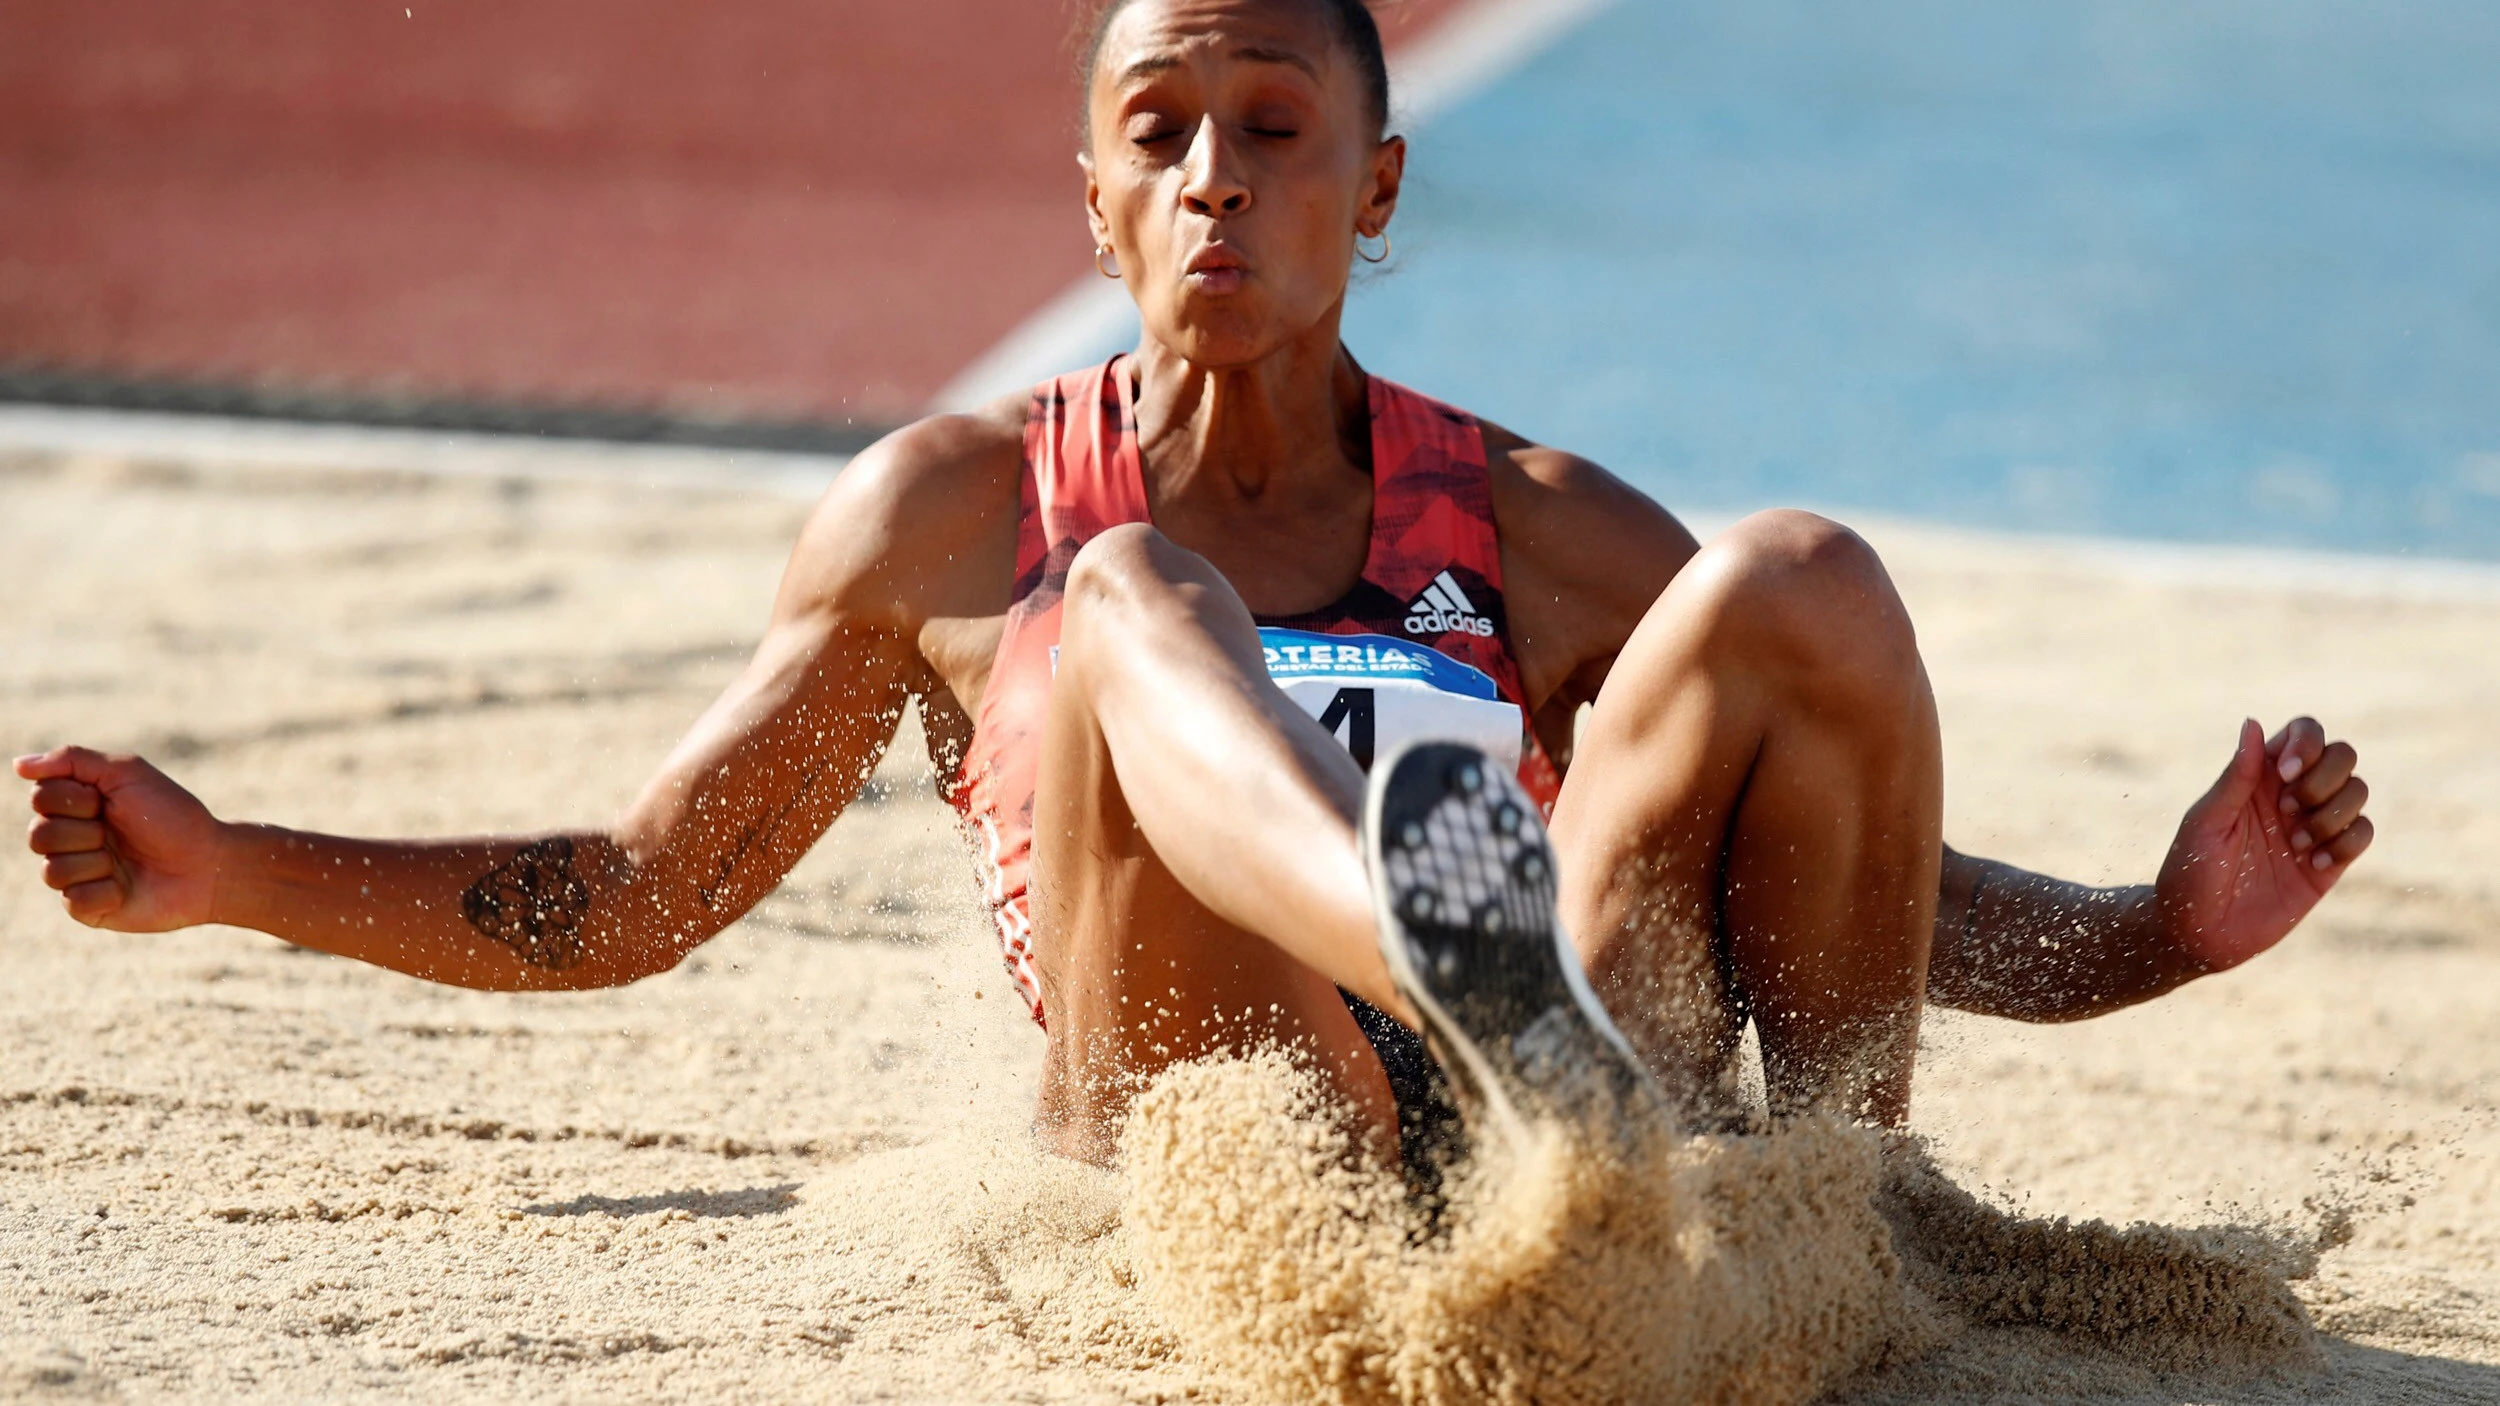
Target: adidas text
1434,622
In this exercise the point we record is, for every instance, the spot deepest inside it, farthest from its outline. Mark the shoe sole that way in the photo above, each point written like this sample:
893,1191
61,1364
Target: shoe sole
1463,885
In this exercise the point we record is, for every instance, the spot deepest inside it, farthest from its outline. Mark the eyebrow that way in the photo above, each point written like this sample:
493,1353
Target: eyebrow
1153,64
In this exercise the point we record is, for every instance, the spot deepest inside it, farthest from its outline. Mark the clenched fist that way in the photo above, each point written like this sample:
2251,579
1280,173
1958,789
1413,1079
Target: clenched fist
127,848
2264,845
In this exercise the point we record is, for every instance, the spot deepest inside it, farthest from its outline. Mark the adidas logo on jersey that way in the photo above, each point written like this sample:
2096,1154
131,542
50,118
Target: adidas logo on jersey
1444,609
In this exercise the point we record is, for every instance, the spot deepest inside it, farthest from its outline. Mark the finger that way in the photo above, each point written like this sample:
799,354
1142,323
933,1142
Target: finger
92,903
2325,776
2344,848
74,799
2239,780
85,763
52,835
2333,818
67,871
2302,739
2338,814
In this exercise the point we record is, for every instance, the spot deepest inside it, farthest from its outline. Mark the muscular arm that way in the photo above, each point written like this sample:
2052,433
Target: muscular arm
2254,855
1584,555
911,531
755,782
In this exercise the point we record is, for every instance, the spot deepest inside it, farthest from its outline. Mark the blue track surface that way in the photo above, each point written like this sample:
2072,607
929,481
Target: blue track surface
2222,270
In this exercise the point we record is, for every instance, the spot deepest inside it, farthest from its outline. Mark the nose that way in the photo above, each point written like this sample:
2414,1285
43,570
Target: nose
1211,186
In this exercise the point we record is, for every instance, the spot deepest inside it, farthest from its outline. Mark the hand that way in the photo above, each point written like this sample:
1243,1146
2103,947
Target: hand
128,849
2264,845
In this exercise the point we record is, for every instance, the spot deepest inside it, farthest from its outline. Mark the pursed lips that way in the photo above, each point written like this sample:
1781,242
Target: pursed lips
1216,269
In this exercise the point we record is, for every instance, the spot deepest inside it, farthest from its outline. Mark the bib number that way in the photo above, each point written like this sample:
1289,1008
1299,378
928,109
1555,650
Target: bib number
1374,694
1352,709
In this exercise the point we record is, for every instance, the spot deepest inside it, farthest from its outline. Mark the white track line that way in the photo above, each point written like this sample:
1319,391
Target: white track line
1461,56
234,441
1476,48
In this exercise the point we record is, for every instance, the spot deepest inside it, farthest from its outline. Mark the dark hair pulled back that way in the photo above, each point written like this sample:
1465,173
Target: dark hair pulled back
1350,20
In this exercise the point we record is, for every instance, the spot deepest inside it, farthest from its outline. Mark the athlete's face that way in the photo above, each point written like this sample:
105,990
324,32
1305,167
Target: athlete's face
1234,159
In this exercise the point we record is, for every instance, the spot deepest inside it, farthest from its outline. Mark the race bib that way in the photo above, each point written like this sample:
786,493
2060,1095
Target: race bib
1375,693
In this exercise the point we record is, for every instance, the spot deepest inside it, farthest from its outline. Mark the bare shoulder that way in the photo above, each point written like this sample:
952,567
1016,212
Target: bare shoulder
1575,527
921,523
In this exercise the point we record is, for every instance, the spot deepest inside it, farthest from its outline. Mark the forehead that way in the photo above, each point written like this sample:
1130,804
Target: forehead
1153,35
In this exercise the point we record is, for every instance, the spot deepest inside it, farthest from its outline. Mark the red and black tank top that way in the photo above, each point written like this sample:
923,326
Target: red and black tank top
1420,645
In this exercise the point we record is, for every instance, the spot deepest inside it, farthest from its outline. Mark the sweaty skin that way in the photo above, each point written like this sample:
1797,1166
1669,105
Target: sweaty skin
1750,821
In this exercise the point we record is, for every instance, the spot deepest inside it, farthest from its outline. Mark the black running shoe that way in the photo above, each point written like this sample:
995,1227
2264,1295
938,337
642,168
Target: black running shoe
1463,882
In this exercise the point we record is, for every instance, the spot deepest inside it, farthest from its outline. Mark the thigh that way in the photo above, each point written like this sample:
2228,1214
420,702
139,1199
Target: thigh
1137,974
1750,826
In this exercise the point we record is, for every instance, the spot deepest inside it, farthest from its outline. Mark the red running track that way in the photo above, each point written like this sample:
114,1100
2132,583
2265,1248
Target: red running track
765,208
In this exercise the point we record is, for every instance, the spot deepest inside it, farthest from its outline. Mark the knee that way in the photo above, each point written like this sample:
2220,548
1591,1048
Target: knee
1806,598
1111,563
1128,579
1119,570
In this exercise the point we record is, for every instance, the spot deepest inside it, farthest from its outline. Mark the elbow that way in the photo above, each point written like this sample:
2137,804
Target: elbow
2077,997
624,960
644,966
591,966
587,975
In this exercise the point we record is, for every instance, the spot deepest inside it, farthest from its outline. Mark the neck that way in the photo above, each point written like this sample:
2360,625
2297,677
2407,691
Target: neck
1298,417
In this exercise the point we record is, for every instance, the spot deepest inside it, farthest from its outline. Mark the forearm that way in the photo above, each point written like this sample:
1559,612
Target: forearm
2026,946
759,777
562,911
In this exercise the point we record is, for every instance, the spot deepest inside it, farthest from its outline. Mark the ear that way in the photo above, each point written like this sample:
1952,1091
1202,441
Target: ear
1380,198
1094,220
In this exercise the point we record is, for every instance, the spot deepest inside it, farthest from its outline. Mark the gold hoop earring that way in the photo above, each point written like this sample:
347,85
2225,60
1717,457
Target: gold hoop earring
1110,273
1367,256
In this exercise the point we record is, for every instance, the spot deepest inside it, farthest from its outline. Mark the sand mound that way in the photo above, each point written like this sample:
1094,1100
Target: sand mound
984,1238
1740,1269
2207,1299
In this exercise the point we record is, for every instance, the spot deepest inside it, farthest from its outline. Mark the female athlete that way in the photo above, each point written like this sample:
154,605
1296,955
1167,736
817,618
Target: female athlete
1160,614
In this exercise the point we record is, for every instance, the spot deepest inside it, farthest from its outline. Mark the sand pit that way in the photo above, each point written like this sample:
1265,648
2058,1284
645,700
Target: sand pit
794,1169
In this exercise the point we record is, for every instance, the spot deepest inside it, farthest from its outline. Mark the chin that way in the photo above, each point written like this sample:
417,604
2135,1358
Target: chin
1220,334
1222,353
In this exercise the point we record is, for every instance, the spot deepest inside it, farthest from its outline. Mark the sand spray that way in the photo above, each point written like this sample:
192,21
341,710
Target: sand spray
1773,1267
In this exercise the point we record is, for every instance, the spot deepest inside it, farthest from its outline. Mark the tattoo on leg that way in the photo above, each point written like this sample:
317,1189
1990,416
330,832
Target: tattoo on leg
534,904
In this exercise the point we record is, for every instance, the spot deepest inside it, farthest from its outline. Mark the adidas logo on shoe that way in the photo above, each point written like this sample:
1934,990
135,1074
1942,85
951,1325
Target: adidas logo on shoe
1444,609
